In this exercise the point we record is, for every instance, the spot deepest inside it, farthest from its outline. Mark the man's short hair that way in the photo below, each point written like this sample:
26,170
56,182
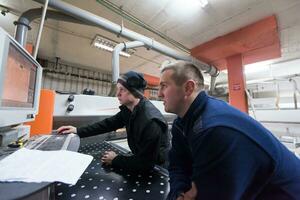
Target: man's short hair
183,71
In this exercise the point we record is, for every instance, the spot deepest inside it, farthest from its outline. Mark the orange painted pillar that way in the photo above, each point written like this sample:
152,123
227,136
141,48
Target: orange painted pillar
44,119
236,81
147,94
151,81
29,48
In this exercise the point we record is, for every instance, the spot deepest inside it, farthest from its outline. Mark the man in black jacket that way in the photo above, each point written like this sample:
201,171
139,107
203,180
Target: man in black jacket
147,130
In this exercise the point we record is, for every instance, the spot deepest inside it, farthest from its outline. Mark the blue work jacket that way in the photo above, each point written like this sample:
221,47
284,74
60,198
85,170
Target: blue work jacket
229,155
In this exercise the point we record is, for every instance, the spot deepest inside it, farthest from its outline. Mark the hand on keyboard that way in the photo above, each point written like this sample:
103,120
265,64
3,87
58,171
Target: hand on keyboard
50,142
66,130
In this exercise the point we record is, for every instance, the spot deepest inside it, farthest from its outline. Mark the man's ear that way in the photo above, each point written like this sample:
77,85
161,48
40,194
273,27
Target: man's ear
189,87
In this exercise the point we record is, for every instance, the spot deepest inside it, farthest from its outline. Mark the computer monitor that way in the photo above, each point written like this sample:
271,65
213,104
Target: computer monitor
20,82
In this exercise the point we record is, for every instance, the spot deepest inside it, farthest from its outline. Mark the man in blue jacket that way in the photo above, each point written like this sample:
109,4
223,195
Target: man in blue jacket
219,152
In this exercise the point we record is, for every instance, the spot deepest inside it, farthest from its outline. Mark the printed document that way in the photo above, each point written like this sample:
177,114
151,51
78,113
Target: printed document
37,166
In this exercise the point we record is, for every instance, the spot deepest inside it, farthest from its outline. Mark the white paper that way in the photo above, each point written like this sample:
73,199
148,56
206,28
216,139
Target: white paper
43,166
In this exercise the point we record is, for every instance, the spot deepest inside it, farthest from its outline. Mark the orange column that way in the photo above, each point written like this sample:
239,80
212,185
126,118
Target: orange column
44,119
147,94
29,48
151,81
236,81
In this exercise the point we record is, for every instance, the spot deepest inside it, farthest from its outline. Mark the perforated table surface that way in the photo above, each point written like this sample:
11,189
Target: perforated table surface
102,182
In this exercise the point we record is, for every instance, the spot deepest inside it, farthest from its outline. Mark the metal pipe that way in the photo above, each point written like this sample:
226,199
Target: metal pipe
295,85
85,16
38,38
212,84
277,96
295,88
251,103
115,57
23,23
116,62
21,30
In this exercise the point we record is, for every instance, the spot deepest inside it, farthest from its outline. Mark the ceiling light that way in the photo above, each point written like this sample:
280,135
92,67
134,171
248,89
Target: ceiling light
186,8
108,45
203,3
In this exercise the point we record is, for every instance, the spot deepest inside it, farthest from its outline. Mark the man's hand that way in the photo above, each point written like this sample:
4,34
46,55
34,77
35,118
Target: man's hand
181,197
189,195
66,130
192,193
108,157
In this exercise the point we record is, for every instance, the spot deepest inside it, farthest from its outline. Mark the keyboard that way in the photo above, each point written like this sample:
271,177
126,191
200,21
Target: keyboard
50,142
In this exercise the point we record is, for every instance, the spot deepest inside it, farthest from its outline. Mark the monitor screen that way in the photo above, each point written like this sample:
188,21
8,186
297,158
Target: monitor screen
19,82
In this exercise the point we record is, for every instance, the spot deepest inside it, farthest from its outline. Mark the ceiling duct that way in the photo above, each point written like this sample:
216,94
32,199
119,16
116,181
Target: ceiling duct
91,18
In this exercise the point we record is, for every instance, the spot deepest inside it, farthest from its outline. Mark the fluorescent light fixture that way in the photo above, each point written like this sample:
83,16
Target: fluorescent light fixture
185,9
203,3
108,45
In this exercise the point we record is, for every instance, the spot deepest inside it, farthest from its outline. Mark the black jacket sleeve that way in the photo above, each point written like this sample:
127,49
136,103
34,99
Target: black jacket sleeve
109,124
145,159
